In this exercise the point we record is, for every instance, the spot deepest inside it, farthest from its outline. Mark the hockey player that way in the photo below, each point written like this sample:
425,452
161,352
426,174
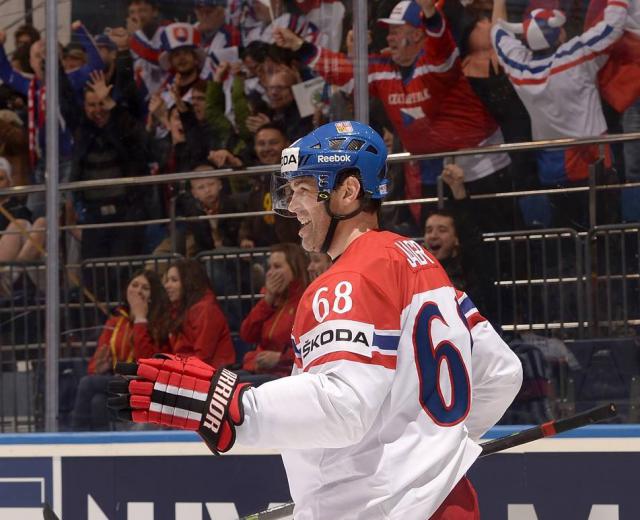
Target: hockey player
387,399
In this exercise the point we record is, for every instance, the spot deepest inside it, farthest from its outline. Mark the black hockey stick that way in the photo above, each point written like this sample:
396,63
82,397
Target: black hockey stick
548,429
48,513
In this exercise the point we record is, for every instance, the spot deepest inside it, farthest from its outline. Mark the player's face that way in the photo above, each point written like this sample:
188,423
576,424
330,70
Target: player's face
313,218
440,237
173,285
318,264
139,285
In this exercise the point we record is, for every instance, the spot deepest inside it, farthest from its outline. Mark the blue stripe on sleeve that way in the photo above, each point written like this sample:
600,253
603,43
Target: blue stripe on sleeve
466,305
384,342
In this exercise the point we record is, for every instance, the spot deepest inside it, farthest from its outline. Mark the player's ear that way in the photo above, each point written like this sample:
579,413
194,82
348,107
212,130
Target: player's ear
351,186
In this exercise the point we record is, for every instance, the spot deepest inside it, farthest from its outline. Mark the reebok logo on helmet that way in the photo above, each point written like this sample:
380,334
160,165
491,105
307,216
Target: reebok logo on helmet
289,160
334,158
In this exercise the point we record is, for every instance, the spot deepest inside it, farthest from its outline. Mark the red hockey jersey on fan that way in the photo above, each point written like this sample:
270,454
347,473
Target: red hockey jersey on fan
378,417
433,109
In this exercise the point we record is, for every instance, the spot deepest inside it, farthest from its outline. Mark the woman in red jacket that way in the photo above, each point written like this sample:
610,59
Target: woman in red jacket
137,329
199,327
270,322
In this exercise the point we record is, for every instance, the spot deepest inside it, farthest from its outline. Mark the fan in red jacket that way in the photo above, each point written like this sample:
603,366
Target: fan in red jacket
137,329
199,327
270,322
421,85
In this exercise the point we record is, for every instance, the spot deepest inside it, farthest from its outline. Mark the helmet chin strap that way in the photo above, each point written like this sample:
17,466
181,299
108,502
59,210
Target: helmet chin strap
335,220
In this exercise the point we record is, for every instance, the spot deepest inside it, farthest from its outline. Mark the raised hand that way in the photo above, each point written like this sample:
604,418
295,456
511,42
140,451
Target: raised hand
255,122
221,72
99,86
428,7
177,98
120,36
453,176
220,158
275,285
138,306
287,39
76,25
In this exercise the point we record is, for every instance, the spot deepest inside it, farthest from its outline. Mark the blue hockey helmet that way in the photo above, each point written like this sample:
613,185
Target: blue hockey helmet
326,152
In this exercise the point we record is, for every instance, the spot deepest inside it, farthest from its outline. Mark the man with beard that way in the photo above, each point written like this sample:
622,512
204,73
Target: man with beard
182,58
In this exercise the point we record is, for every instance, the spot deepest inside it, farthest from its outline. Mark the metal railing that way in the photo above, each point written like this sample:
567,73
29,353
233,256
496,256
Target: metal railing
538,281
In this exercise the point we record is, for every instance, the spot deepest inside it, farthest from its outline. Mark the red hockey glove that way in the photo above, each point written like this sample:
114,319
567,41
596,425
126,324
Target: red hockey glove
181,392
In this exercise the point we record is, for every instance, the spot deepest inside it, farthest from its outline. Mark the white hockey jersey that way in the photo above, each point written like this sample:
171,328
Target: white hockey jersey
560,90
396,374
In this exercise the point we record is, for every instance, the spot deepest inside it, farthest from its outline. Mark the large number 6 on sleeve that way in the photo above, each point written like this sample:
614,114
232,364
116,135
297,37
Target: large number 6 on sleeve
342,302
431,361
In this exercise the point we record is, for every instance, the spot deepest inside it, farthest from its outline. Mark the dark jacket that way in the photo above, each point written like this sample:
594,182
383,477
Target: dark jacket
471,270
188,206
126,136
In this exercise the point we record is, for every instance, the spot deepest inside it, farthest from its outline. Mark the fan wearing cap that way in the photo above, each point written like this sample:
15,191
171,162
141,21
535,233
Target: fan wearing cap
564,72
557,79
421,85
182,57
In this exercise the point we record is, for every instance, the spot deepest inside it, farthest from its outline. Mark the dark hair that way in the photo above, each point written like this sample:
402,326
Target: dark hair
280,55
200,85
273,126
369,205
22,55
28,30
159,306
256,50
195,284
297,260
443,212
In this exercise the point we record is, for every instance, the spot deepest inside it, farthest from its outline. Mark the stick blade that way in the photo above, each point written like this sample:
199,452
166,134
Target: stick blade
48,513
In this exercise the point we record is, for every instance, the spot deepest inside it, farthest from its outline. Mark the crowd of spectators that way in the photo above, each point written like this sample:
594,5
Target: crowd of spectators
152,96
